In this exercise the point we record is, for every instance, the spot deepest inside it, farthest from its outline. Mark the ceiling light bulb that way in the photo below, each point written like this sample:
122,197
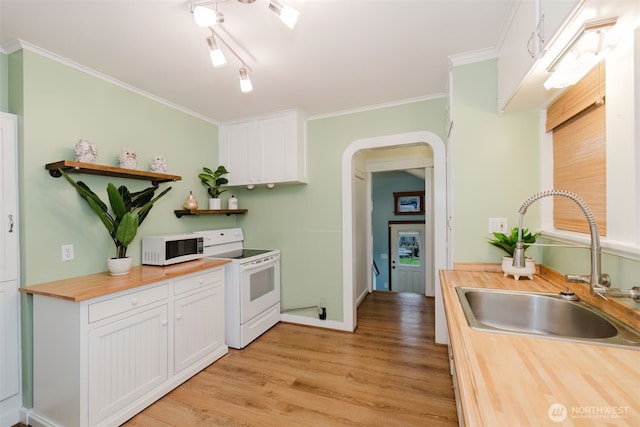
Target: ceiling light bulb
287,14
206,17
245,82
217,57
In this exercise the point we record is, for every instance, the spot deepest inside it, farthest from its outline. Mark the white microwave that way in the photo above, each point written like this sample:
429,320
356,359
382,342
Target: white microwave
171,249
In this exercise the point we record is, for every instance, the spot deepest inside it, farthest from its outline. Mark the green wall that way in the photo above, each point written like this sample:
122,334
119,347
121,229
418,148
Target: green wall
4,83
495,162
305,221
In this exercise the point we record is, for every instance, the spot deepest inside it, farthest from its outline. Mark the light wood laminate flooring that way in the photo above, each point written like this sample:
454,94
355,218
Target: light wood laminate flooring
388,373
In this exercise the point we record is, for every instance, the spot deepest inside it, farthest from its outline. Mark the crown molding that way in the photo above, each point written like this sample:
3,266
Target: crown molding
377,106
16,45
471,57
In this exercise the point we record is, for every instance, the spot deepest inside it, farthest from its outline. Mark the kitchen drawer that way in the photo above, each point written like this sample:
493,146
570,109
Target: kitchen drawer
131,301
198,281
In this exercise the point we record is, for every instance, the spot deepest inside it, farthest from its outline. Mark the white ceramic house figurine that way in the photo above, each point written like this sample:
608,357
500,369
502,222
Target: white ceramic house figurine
128,159
158,164
86,152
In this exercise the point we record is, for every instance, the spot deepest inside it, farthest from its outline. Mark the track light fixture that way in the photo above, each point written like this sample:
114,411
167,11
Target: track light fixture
245,82
217,57
287,14
207,17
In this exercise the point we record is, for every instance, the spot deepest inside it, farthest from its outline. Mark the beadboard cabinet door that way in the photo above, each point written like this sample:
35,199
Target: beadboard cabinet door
199,326
127,360
267,149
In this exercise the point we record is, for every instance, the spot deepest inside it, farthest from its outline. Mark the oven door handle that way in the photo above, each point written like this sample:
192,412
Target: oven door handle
260,263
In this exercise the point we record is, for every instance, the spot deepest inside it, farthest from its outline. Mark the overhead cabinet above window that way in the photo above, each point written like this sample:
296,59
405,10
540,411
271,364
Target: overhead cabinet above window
534,25
269,150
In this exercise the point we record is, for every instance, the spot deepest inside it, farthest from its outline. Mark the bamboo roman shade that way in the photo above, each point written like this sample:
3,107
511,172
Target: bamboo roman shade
578,122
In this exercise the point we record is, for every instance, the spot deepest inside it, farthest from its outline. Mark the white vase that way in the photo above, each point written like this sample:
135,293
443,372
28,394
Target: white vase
527,271
119,266
214,204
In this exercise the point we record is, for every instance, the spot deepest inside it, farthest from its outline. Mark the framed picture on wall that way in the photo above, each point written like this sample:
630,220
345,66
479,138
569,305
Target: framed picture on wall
408,203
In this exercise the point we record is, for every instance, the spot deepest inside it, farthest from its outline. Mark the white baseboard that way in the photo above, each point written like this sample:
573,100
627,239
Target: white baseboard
310,321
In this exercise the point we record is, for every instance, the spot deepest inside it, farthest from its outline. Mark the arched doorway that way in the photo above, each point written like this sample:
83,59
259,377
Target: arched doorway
440,260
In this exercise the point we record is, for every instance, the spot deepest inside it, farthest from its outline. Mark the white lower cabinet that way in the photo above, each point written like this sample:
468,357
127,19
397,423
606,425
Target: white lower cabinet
456,389
99,362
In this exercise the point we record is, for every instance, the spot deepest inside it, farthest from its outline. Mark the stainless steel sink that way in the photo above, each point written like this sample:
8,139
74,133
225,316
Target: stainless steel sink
545,315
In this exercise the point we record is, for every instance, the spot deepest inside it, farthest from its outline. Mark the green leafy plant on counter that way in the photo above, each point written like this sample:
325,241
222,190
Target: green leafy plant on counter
507,242
128,210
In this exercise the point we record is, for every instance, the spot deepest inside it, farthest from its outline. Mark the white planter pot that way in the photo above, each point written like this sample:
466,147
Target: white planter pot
119,266
509,270
214,204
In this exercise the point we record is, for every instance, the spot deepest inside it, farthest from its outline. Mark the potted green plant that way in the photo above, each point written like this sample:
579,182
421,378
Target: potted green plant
128,211
507,244
213,180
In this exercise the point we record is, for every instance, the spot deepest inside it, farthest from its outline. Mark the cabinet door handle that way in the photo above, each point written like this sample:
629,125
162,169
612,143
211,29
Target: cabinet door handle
530,45
10,223
134,301
178,316
540,30
164,322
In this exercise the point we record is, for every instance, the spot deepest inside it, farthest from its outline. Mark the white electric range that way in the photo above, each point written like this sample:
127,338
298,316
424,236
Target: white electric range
252,285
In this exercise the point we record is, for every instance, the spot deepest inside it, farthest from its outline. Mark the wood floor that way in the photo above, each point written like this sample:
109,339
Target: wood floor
388,373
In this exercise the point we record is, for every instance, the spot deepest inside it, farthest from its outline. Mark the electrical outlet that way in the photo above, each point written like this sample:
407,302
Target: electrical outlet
498,225
67,252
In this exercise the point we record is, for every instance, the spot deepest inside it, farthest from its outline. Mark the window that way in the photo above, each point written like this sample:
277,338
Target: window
409,248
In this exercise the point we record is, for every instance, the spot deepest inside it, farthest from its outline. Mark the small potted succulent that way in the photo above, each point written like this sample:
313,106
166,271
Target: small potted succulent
507,244
128,210
213,180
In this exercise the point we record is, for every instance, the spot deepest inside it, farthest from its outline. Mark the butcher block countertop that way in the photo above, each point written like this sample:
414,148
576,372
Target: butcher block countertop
509,380
96,285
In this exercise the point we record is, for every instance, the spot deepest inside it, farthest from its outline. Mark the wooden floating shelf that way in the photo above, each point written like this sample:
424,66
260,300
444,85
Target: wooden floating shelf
196,212
93,169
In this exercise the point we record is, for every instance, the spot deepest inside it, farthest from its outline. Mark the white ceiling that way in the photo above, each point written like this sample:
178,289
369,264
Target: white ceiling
343,55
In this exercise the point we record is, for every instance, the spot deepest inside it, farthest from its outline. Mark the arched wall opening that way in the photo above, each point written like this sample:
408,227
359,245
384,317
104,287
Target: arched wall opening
439,219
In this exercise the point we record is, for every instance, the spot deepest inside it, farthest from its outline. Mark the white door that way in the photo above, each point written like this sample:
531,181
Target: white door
409,250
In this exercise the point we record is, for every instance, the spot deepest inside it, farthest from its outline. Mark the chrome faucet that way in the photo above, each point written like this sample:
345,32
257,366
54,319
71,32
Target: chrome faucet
599,283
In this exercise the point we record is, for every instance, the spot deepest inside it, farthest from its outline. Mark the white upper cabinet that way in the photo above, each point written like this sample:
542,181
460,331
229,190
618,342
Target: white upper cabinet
268,149
553,14
533,25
